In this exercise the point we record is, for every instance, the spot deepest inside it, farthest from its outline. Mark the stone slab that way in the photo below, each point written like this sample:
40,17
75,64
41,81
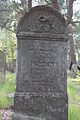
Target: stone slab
41,86
2,66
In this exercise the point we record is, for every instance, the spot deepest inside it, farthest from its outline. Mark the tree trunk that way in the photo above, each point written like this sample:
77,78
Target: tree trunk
25,4
29,4
69,4
78,52
72,50
55,4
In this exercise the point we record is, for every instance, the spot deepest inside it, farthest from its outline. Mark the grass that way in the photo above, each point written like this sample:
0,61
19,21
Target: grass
73,89
74,98
73,112
0,117
7,88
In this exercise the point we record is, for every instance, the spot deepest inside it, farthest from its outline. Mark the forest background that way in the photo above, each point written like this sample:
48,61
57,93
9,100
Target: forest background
10,13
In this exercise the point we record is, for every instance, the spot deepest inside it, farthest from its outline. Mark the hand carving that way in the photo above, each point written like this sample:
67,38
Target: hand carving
48,24
43,19
42,25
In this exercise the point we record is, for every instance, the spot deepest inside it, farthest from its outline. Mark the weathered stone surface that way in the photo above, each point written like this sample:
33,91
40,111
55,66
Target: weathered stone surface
41,87
42,19
2,66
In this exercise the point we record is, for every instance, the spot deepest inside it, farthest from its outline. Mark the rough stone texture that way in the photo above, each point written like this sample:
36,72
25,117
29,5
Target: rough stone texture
42,19
2,66
41,87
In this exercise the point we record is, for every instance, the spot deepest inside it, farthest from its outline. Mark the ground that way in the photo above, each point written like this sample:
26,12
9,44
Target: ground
5,114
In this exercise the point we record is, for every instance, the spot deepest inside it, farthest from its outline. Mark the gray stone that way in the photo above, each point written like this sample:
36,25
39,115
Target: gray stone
2,66
41,86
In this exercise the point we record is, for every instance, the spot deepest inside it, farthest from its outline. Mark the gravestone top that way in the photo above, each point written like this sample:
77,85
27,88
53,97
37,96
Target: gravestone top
42,19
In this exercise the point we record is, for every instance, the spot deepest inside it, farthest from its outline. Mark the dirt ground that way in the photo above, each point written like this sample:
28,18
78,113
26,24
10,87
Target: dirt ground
5,114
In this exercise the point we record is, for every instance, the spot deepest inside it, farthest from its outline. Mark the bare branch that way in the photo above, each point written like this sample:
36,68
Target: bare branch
29,4
75,22
4,26
9,29
47,2
55,4
17,7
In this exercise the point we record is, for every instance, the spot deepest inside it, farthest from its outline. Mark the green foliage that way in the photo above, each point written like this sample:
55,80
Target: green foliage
74,98
4,100
73,112
76,25
8,44
9,14
6,89
5,13
61,2
10,83
74,88
71,90
78,74
0,116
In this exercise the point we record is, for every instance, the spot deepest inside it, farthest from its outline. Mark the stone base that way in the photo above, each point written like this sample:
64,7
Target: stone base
19,116
56,116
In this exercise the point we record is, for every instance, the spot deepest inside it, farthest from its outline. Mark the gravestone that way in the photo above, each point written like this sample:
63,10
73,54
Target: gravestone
41,86
2,66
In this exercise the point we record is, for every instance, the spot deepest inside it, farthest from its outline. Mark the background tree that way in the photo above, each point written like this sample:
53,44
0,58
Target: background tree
8,44
69,4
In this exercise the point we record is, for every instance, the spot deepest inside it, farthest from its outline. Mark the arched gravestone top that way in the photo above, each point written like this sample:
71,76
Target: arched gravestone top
42,19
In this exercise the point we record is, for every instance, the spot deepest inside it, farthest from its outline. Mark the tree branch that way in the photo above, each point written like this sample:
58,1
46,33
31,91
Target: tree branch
75,22
7,28
17,7
47,2
29,4
55,4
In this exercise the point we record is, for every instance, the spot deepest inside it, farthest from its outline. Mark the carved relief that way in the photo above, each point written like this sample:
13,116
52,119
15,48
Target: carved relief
42,25
49,24
42,19
57,26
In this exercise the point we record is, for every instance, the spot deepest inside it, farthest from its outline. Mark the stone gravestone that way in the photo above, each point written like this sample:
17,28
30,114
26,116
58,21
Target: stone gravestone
41,88
2,66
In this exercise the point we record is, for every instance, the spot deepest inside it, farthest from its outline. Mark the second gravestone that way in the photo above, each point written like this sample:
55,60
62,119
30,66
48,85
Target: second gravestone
41,87
2,66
